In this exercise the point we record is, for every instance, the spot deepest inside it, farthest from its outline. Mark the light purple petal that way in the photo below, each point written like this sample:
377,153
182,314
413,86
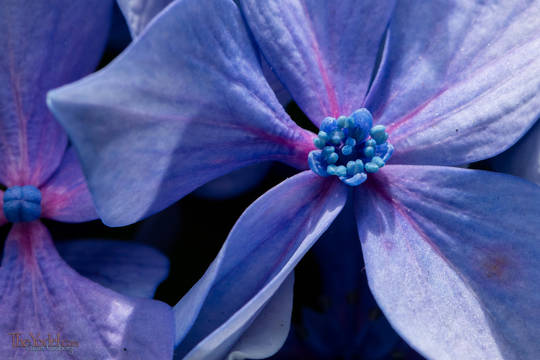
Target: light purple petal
461,80
453,259
324,51
128,268
243,337
40,294
65,196
174,112
138,13
522,159
3,219
262,249
44,44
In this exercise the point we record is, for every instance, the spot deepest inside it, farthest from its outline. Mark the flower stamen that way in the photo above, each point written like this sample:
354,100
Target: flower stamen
350,148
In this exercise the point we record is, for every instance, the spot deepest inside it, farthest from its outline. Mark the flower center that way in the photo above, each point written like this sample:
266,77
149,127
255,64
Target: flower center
350,148
22,203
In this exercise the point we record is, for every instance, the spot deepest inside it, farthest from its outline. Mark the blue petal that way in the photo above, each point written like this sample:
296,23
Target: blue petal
138,13
128,268
262,249
453,259
174,112
326,51
44,44
461,79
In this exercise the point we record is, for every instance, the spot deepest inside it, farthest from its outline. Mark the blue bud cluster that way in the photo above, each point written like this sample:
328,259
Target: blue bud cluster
350,148
22,203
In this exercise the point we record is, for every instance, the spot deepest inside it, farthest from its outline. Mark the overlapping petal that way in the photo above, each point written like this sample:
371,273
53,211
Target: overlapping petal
452,258
261,250
65,196
461,79
522,159
244,337
128,268
41,295
324,51
44,44
138,13
175,112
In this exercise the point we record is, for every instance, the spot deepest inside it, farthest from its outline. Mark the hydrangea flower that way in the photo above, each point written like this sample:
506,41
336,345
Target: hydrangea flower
451,254
43,301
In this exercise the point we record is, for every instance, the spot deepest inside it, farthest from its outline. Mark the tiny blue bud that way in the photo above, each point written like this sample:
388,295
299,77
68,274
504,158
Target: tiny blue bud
378,133
371,142
371,167
341,170
318,143
327,150
323,136
350,141
377,160
351,168
346,150
331,169
369,151
328,125
341,121
359,166
332,158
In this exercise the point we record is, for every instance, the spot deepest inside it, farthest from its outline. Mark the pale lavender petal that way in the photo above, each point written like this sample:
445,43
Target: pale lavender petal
173,113
44,44
128,268
65,196
522,159
42,295
461,79
324,51
262,249
138,13
453,259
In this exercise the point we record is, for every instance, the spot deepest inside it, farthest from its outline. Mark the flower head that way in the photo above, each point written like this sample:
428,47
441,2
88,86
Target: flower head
451,254
46,44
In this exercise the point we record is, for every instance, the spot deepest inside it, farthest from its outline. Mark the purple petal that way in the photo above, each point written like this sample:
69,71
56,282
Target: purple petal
128,268
461,80
324,52
3,219
453,259
44,44
138,13
40,294
175,113
262,249
522,159
65,196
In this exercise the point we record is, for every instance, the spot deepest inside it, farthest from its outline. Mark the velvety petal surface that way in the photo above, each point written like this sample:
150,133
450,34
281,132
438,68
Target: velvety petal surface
175,111
522,159
65,196
41,294
461,79
324,51
262,249
44,44
453,259
138,13
128,268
